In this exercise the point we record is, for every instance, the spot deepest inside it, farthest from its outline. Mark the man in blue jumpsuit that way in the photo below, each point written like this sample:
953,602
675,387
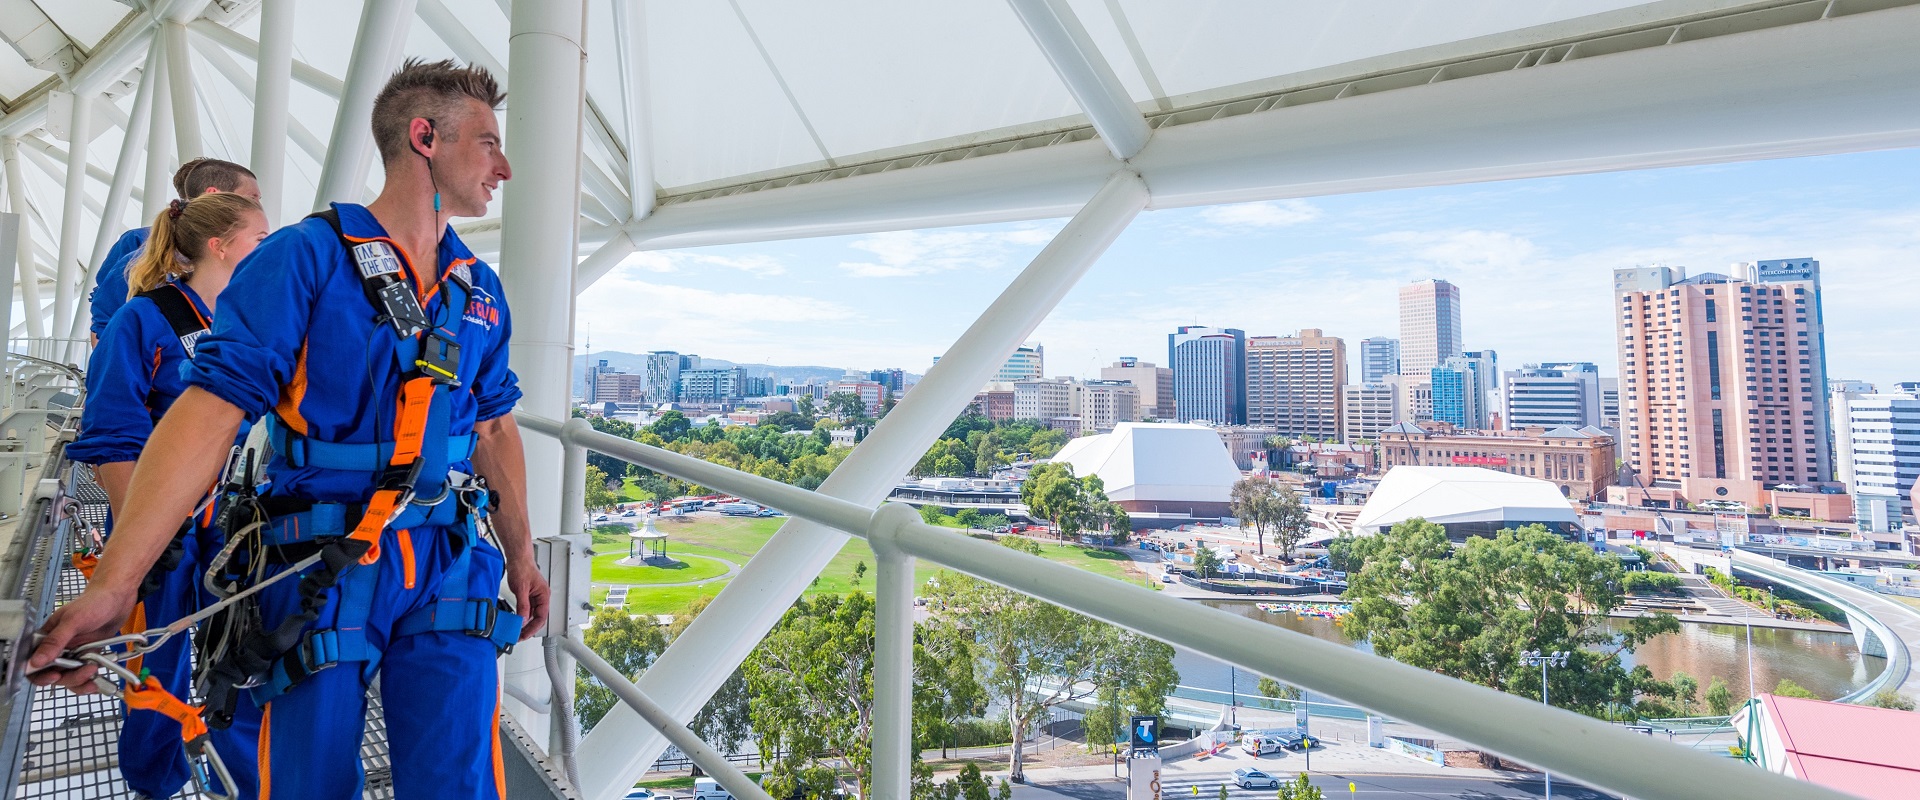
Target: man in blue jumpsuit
303,341
192,179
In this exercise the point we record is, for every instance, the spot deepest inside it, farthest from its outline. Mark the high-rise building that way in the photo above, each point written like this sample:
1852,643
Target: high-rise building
712,385
1155,385
871,393
1884,436
1379,357
1208,379
1104,404
1719,379
1801,271
1461,385
1293,383
1365,410
1027,361
893,380
594,371
1429,326
1047,398
663,374
619,387
1610,405
1429,334
1840,394
1554,394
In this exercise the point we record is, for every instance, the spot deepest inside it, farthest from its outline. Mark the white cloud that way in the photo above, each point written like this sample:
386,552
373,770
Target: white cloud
1268,214
898,254
664,261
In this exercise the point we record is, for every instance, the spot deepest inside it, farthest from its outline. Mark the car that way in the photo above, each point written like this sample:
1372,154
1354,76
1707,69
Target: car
1166,577
645,794
629,513
1250,778
1292,740
1003,529
709,789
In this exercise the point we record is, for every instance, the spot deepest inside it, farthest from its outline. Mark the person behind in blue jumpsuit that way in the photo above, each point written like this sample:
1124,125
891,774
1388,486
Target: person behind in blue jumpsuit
194,178
136,375
299,339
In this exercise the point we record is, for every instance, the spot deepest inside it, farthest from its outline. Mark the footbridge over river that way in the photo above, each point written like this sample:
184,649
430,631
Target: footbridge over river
1881,626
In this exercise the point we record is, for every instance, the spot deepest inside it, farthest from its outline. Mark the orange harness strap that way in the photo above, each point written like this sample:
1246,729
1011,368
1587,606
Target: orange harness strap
151,696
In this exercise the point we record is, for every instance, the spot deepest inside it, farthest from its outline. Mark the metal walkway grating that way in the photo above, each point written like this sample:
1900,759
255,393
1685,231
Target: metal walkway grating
71,750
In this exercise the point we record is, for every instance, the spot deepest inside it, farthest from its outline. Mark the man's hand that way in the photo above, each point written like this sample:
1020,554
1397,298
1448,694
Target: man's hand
96,614
530,594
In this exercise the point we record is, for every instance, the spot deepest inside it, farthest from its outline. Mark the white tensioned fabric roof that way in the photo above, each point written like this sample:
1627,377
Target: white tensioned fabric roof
751,120
1149,462
1462,494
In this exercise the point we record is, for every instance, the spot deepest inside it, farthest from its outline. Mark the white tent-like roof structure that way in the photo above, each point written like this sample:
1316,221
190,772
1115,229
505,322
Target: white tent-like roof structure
1461,494
1155,462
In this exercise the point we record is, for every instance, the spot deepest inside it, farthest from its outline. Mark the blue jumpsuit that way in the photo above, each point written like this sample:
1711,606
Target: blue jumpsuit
110,285
297,337
136,374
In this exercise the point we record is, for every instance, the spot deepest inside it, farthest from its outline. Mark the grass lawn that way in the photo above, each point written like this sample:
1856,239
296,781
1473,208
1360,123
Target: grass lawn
686,569
736,539
630,493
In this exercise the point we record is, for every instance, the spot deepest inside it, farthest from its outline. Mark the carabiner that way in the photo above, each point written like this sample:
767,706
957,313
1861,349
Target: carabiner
207,766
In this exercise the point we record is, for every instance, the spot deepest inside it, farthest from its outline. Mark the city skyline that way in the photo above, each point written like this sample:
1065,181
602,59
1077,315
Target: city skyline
1528,254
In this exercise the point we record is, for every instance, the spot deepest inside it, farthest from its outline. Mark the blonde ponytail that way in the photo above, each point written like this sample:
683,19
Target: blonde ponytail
180,235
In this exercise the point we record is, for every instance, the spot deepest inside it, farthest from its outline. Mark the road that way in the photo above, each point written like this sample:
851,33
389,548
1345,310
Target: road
1377,787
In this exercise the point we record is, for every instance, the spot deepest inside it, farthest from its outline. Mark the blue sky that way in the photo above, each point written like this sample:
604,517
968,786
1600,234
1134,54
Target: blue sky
1533,260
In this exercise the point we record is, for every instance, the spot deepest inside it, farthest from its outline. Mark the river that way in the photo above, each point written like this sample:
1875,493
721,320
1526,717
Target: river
1827,663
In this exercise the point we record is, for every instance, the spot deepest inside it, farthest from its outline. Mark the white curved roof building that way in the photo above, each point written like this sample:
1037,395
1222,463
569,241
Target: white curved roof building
1467,500
1158,467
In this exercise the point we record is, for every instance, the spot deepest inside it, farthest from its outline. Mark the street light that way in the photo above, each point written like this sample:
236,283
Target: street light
1557,658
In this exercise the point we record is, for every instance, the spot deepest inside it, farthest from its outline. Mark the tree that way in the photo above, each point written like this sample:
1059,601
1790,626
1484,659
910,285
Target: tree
1469,612
946,691
1685,689
599,497
612,467
1205,561
811,680
1300,789
993,521
968,518
725,721
1253,501
1787,688
812,683
1888,698
1290,523
932,515
787,421
1719,698
1051,492
804,406
1275,690
1034,655
671,426
846,406
630,644
859,571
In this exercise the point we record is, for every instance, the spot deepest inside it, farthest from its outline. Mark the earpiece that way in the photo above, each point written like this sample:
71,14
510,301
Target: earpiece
427,138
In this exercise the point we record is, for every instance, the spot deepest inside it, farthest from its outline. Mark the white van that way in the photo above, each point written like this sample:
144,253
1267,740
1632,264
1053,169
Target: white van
1258,745
709,789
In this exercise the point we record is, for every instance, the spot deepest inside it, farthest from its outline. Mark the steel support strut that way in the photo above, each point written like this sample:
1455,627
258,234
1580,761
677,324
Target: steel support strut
67,271
1088,76
113,214
273,81
383,25
892,663
540,219
621,747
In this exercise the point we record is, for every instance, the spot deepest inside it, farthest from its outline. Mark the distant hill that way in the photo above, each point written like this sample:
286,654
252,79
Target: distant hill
637,364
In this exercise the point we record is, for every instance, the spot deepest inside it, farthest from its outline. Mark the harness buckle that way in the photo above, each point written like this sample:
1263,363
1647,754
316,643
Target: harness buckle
486,613
439,357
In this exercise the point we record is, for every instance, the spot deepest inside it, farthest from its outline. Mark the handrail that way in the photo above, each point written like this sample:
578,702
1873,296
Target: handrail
709,760
1571,744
